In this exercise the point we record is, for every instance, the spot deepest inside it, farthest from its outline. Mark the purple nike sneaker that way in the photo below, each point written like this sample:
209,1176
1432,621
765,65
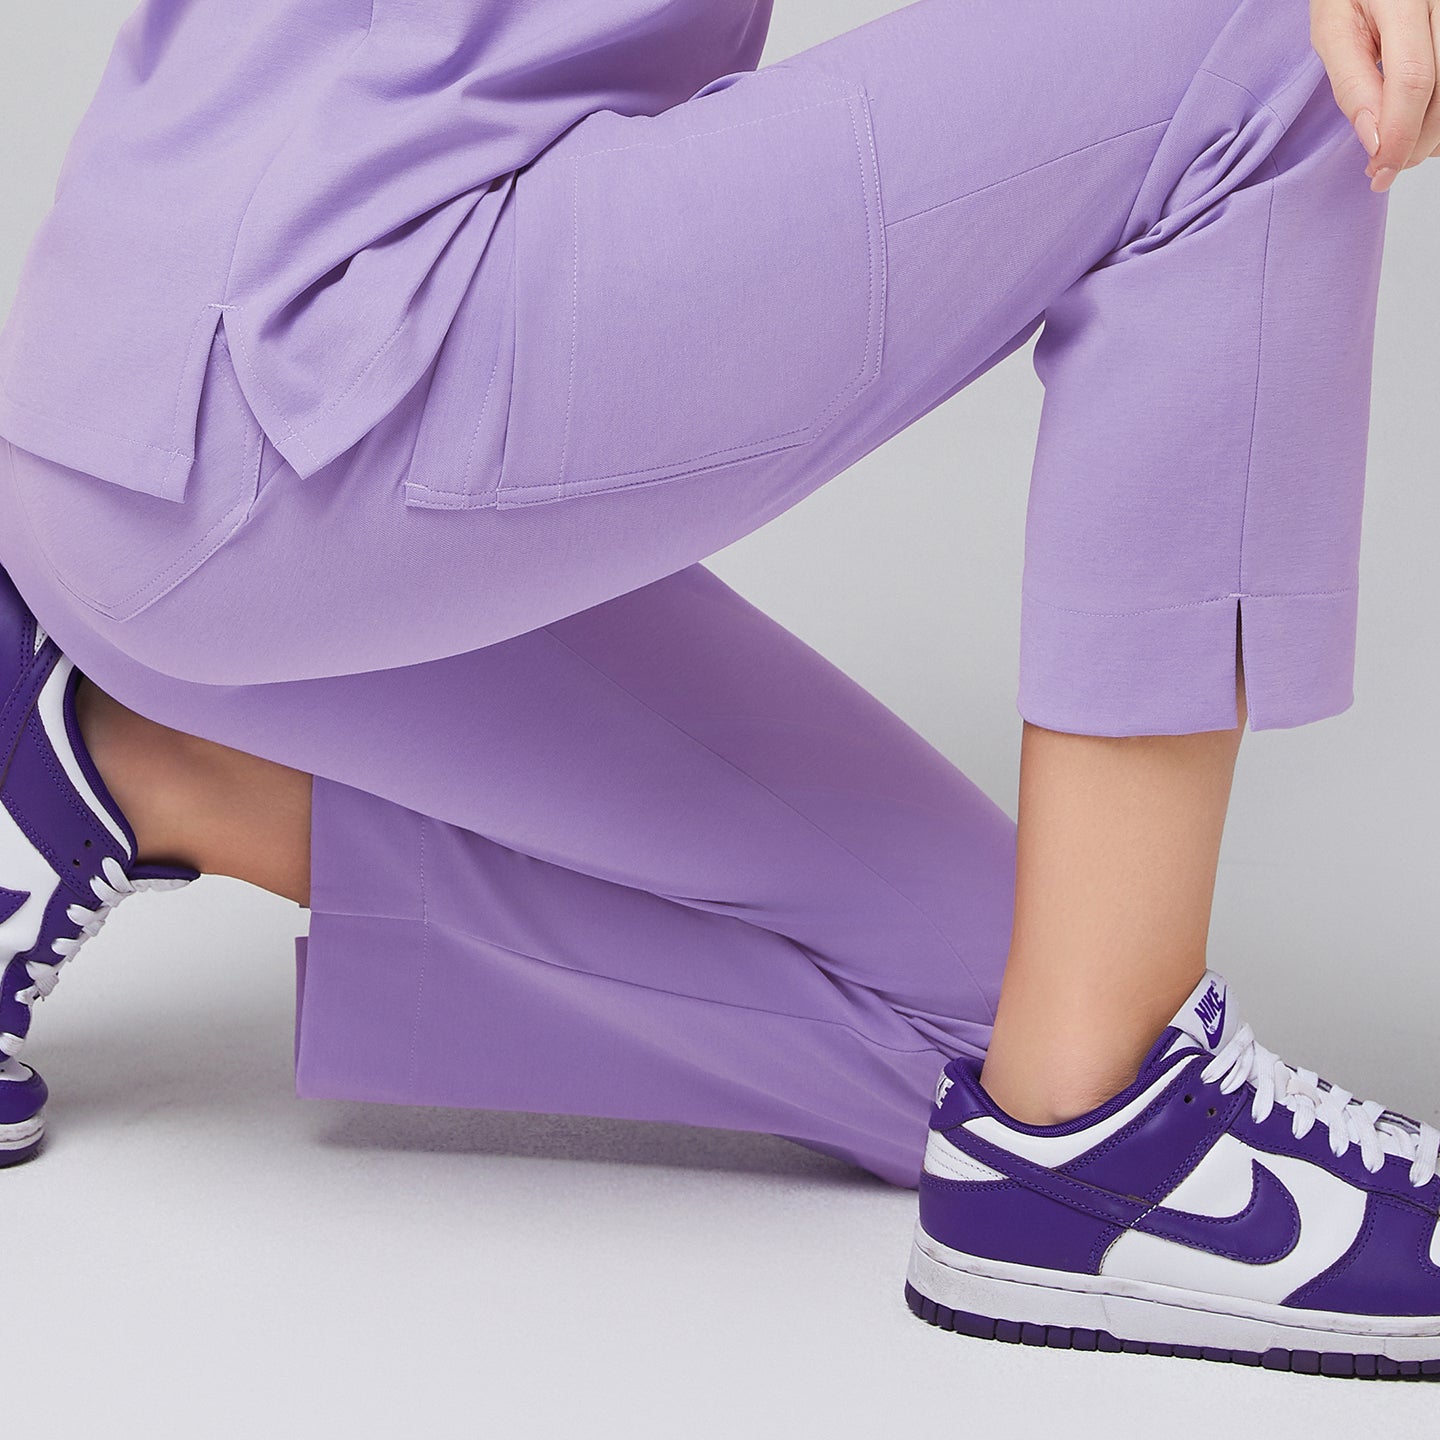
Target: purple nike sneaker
1225,1206
66,852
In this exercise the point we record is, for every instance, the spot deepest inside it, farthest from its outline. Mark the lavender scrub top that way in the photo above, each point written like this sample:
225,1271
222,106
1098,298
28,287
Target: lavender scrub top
324,174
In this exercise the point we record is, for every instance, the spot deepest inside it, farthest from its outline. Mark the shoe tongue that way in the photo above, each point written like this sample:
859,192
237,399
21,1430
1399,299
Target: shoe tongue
1206,1015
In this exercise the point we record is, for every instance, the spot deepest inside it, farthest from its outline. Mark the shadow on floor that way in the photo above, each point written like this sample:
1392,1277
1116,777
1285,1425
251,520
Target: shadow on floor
233,1069
578,1138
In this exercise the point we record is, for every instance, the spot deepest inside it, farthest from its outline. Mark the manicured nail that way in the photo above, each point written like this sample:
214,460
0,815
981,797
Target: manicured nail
1368,131
1383,176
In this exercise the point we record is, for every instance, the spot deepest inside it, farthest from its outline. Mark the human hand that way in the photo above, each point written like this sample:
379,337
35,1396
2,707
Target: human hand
1395,111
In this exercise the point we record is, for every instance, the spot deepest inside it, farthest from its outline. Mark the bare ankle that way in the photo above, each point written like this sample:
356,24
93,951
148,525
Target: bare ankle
1060,1050
143,766
196,803
1051,1096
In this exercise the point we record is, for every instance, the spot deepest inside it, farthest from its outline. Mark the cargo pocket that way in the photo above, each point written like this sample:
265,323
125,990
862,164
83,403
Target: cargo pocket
119,550
692,289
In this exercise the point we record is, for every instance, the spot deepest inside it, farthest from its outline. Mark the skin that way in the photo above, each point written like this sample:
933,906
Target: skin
1382,57
1116,856
1119,838
192,802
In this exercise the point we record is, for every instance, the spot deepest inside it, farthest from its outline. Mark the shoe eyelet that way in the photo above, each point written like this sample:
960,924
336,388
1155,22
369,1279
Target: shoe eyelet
89,843
1210,1111
1189,1099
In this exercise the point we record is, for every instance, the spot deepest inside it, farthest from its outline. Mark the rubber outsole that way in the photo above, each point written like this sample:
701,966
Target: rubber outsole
22,1153
1059,1337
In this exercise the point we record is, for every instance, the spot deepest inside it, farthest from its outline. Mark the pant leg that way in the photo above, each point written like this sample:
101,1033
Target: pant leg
659,860
442,968
686,322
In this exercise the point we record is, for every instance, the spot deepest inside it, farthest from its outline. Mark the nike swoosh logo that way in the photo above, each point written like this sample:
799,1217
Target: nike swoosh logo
1266,1230
1213,1032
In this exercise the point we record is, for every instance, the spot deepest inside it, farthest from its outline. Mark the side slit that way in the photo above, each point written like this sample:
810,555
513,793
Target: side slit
1240,659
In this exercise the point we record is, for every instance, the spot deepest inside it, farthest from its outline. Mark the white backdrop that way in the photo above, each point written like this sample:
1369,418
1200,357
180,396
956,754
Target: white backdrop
200,1253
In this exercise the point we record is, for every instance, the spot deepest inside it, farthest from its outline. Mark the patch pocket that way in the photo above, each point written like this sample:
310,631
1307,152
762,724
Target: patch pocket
695,288
119,550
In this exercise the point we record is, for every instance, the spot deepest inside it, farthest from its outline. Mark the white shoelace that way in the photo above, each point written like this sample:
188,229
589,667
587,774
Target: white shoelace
1377,1131
109,891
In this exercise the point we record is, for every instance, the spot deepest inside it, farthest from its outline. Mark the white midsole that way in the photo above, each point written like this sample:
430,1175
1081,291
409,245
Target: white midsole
1163,1314
27,1132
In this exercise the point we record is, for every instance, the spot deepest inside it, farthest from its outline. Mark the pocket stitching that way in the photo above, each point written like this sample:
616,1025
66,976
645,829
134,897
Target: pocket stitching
560,488
569,488
571,492
422,492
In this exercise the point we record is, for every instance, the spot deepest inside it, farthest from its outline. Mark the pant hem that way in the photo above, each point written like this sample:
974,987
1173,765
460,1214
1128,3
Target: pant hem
1172,670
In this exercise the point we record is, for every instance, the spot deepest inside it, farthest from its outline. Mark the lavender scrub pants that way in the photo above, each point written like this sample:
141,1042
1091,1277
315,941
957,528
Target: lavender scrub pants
591,834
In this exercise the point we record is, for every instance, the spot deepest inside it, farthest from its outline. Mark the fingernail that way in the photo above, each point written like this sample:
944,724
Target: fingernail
1368,131
1383,176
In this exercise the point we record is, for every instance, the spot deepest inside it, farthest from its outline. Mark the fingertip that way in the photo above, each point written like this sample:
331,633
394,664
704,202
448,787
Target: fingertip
1367,128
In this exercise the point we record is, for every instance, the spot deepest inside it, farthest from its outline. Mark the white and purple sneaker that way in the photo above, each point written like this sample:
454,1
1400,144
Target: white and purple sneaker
1225,1206
66,852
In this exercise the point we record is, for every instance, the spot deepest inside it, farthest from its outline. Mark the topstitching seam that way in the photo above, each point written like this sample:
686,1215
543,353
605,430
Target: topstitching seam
1197,604
1263,104
467,492
93,429
1028,170
1259,371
